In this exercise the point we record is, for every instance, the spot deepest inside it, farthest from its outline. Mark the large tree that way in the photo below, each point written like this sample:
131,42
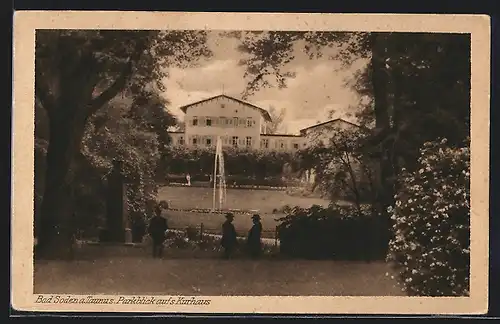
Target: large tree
76,73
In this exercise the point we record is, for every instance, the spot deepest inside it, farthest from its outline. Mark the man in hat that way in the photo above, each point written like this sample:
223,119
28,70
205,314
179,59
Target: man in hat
157,229
229,240
253,240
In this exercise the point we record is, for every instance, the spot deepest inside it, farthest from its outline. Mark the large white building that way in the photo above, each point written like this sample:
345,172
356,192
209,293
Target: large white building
241,124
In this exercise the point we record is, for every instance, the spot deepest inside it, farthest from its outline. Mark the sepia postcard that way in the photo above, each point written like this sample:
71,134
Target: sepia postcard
262,163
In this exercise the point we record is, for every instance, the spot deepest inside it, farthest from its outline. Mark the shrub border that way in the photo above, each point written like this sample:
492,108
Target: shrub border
210,211
231,186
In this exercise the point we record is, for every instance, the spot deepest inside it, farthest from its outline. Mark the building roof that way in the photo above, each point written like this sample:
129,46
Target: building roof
326,123
282,135
263,112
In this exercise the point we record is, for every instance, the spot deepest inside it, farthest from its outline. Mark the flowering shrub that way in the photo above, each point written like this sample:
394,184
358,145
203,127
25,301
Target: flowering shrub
178,239
431,244
337,232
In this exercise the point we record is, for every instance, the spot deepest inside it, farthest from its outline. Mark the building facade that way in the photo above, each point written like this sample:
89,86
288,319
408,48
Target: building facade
242,125
322,132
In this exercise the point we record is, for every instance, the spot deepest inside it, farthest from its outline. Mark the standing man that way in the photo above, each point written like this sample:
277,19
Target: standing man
229,236
188,179
157,228
253,240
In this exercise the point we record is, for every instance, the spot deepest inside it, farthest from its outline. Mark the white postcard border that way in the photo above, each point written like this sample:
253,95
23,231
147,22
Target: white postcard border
25,23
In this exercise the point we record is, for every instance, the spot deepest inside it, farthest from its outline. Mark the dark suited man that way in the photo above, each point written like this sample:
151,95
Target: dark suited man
229,236
157,229
253,240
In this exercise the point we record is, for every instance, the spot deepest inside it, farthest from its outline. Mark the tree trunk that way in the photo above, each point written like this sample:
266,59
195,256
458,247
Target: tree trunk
57,227
382,120
380,82
56,232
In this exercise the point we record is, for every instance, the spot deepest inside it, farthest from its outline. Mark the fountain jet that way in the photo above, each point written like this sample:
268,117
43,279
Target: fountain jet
219,177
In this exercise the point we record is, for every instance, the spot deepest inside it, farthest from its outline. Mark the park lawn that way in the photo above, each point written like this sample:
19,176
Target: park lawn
258,200
118,272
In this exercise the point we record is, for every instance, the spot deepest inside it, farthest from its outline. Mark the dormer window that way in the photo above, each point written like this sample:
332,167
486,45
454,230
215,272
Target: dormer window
195,121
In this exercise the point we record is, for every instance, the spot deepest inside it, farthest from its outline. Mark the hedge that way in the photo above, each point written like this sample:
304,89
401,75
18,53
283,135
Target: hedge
336,232
233,180
242,162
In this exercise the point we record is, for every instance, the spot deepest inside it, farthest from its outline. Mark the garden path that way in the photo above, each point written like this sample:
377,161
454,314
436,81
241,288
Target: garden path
174,275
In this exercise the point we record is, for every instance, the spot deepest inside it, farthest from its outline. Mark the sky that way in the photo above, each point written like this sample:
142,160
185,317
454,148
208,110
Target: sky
318,88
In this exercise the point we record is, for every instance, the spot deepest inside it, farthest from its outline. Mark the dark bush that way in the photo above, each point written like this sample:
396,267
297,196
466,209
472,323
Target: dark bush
138,226
192,233
336,232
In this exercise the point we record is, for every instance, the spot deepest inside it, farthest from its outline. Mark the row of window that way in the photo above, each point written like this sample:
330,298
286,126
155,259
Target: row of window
223,121
279,144
226,140
235,141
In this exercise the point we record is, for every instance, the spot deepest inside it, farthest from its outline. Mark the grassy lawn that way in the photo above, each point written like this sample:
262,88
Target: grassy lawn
126,270
258,201
262,201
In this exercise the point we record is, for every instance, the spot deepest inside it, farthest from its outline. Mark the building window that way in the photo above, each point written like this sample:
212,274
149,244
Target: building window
249,122
249,141
209,141
209,122
235,141
295,145
265,143
235,121
195,141
222,121
282,145
181,140
195,121
222,105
